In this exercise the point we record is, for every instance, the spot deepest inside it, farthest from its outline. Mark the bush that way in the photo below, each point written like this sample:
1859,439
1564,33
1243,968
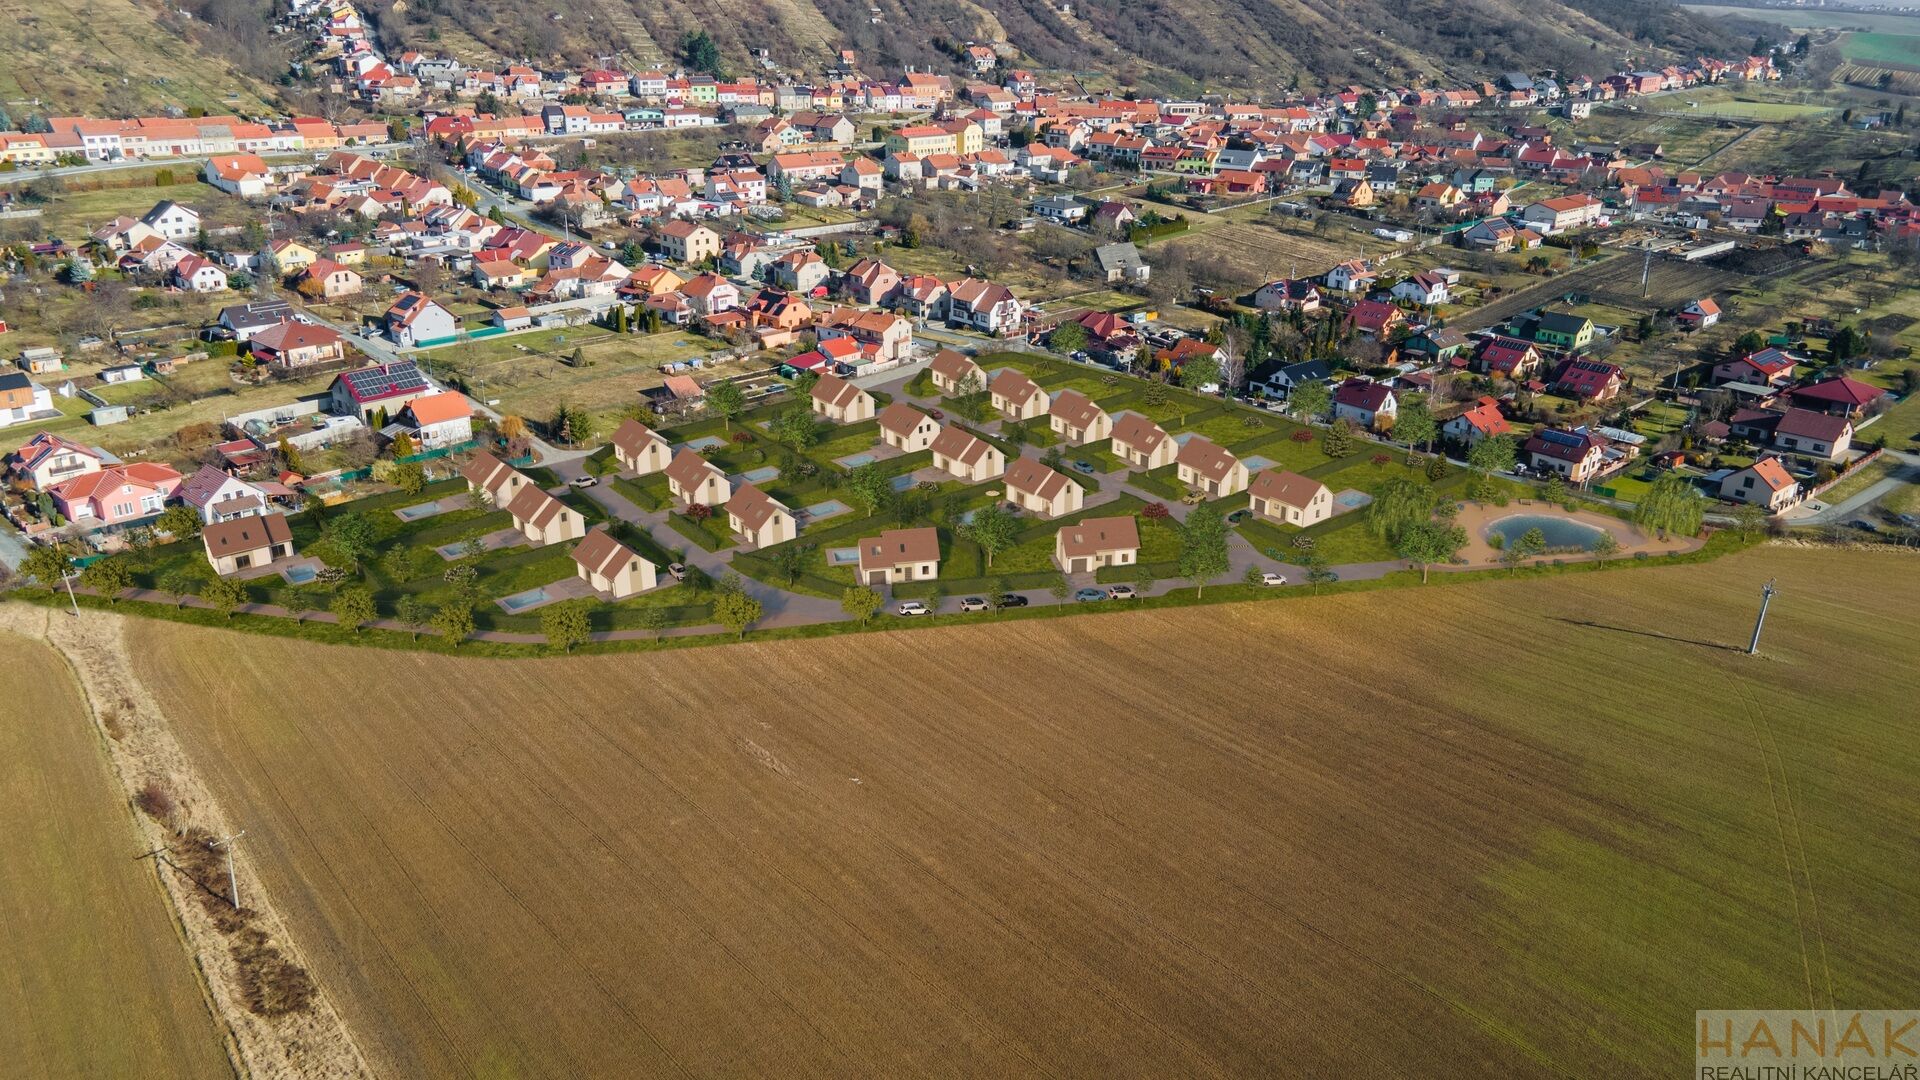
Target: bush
155,801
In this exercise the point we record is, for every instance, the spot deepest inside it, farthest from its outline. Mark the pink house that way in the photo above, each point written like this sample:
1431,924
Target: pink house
116,495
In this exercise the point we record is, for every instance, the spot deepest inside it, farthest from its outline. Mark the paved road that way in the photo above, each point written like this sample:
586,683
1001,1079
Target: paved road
22,175
1819,513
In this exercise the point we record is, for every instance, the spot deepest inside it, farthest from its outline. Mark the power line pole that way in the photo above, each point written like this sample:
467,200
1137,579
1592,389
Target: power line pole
233,883
1766,597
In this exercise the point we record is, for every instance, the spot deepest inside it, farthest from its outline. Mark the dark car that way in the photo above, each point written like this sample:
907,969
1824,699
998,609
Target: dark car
1012,600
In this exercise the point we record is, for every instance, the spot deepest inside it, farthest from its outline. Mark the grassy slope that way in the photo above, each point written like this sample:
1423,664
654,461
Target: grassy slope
1484,828
95,982
74,56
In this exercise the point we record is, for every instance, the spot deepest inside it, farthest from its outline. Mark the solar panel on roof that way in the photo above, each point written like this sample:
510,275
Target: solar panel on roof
1564,438
396,378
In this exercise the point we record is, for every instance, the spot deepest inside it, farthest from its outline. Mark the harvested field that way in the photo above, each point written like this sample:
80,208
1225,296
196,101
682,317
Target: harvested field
1257,251
97,983
741,860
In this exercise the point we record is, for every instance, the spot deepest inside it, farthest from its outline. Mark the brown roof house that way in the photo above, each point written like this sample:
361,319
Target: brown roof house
1289,498
543,519
612,567
1096,542
1142,443
493,480
759,518
904,427
900,555
639,449
840,401
961,453
950,369
247,542
694,479
1033,486
1207,466
1076,419
1018,397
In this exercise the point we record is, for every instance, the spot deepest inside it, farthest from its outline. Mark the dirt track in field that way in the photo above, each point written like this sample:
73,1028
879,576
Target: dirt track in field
1258,839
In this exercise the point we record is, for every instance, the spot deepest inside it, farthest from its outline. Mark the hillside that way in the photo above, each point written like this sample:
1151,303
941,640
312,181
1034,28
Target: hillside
1509,827
124,57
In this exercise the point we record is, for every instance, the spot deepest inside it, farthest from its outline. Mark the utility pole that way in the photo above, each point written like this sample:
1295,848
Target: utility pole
233,883
1766,597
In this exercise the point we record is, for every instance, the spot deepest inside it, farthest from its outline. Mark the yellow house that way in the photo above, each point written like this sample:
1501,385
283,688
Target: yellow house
292,256
1289,498
612,567
923,139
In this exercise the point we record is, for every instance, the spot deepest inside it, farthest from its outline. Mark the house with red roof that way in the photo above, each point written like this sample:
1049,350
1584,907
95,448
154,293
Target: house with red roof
1768,367
1366,403
48,459
1699,315
1374,317
1481,420
1589,380
434,421
1765,483
1839,395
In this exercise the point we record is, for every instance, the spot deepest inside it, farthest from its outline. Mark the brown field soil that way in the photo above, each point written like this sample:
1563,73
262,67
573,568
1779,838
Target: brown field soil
96,983
1510,827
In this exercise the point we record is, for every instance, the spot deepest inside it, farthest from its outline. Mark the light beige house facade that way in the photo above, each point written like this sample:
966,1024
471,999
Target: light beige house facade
491,480
640,449
1289,498
1209,468
1088,545
246,543
693,479
758,518
951,369
1017,397
1141,443
1076,419
906,428
1765,483
612,567
1032,486
543,519
961,454
840,401
898,555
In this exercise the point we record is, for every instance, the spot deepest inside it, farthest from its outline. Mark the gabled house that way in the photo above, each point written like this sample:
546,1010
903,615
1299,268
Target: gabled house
543,519
436,421
639,449
1425,287
48,459
1768,367
693,479
898,555
217,495
1483,420
1840,395
906,428
1210,468
415,321
1765,483
1369,404
363,392
950,369
1141,443
1375,318
1289,498
1825,436
963,455
1699,314
292,345
841,401
1017,397
871,281
1507,358
116,495
1590,380
1032,486
492,481
611,567
247,543
196,274
758,518
1576,455
1076,419
1089,545
983,306
688,241
1563,330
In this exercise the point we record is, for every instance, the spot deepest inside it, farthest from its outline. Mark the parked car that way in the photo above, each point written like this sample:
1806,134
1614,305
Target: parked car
1273,579
974,603
584,481
678,571
914,607
936,414
1088,596
1122,592
1012,600
1238,516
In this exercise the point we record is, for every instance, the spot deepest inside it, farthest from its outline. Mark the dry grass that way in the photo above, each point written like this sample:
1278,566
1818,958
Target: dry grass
1500,828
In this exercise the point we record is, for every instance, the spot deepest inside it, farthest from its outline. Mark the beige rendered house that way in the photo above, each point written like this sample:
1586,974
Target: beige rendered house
1207,466
840,401
1017,397
689,242
492,479
1142,443
1289,498
906,428
1076,419
961,453
612,567
247,542
950,369
759,518
694,479
543,519
1097,542
639,449
1033,486
900,555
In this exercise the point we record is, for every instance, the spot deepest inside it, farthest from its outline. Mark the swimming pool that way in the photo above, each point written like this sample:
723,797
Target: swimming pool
299,575
1354,499
854,461
418,511
760,475
823,509
902,483
520,601
1256,463
843,556
1561,532
706,442
452,551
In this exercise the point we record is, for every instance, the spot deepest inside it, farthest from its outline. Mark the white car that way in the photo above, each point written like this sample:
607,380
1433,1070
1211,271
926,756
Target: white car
1273,579
584,481
974,603
914,607
1123,592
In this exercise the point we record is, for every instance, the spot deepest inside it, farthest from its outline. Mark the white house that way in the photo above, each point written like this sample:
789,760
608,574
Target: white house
173,221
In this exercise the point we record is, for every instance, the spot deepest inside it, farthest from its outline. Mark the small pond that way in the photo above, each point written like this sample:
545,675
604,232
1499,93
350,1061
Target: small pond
1561,532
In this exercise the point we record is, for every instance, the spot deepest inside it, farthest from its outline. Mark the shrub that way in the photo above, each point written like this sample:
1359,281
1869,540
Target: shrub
699,512
155,801
1382,459
1302,436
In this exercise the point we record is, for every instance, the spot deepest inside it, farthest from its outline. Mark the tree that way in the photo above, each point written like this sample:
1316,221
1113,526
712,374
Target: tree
1494,455
1203,547
178,584
354,606
109,577
726,400
1198,372
700,52
870,487
402,446
653,619
734,609
1398,505
414,613
1145,580
1068,337
409,476
970,397
179,521
860,603
993,528
1338,441
1749,520
1670,506
1429,542
1059,589
1748,343
455,623
1309,400
351,537
1319,573
1415,425
796,426
792,559
1605,546
48,565
224,595
462,578
566,625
